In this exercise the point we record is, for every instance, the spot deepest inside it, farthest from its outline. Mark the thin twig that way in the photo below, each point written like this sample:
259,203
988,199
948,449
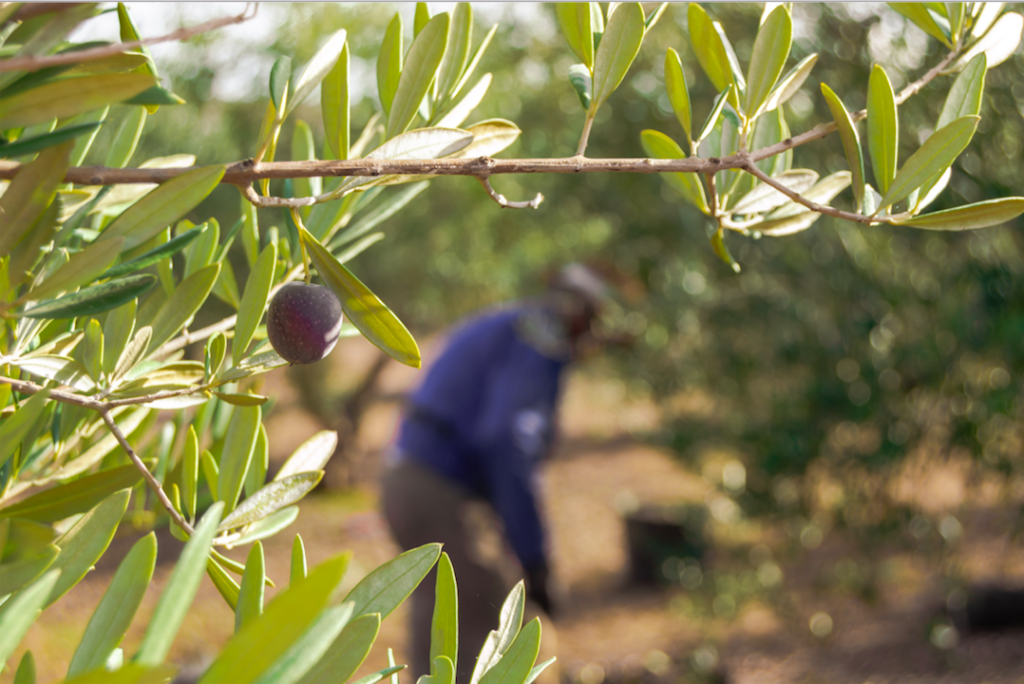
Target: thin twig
148,476
712,194
34,63
509,204
752,169
585,136
26,387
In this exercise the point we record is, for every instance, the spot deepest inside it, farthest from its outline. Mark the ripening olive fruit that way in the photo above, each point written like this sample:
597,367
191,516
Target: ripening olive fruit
303,322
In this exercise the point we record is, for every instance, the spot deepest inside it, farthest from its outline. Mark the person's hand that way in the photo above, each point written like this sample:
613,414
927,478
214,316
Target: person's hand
537,589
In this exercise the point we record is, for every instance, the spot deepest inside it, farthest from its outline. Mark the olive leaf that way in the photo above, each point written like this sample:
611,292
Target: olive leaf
254,301
317,69
112,617
969,216
883,128
68,97
619,47
771,49
678,95
574,20
163,206
933,157
421,65
377,323
660,146
389,63
850,139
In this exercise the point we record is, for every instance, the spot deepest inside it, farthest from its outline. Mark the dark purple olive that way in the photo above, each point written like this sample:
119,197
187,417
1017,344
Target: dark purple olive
303,322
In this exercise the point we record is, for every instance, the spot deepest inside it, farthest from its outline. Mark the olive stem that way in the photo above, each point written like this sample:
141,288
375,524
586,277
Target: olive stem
302,244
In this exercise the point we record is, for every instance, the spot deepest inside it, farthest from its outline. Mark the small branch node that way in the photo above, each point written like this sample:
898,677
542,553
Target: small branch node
506,203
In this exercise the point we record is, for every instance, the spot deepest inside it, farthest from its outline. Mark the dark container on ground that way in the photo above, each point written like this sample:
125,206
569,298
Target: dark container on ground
660,538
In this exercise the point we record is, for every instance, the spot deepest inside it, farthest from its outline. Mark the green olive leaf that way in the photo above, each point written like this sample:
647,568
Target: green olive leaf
179,309
252,588
716,112
789,84
619,46
964,98
127,138
386,587
68,97
201,252
714,53
933,157
678,95
83,544
334,106
498,641
389,63
850,139
368,313
970,216
461,110
456,54
239,444
883,128
918,13
15,574
574,20
269,526
78,496
95,299
344,655
163,206
155,255
515,664
37,143
30,193
258,644
771,50
280,75
190,473
998,44
444,629
311,456
19,612
317,69
582,84
179,592
113,616
660,146
421,65
83,267
475,60
254,301
764,197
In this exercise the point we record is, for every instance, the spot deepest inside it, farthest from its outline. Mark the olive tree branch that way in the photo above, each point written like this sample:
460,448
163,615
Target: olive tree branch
753,170
34,63
146,475
104,409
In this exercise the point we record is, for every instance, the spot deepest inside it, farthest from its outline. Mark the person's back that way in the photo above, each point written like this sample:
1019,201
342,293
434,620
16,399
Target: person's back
475,430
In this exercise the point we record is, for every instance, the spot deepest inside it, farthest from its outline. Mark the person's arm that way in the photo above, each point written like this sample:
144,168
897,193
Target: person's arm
511,438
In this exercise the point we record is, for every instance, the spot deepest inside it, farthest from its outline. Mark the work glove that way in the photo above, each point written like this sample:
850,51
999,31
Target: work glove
537,589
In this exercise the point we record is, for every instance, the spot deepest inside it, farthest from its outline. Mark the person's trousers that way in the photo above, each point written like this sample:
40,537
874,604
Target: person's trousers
422,507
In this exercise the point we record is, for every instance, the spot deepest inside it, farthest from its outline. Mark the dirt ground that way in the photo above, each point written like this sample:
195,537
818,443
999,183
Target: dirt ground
607,631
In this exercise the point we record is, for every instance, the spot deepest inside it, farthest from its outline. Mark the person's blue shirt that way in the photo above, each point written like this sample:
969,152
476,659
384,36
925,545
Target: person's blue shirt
483,415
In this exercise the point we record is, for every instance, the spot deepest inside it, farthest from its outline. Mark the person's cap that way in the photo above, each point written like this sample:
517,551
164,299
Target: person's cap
583,281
